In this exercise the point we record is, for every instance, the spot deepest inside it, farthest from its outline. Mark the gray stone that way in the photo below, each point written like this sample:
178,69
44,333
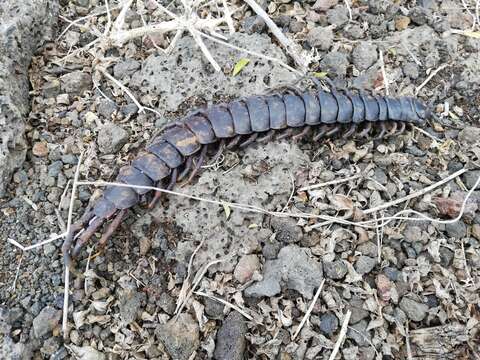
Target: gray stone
368,249
125,68
296,26
414,310
364,55
358,333
412,234
214,309
130,305
25,25
55,168
457,230
245,268
446,256
286,230
180,336
50,346
87,353
354,31
469,135
471,178
420,15
254,24
270,250
335,270
328,323
320,37
231,342
294,268
69,159
336,63
111,138
166,303
338,16
365,264
76,82
355,305
391,273
106,108
47,320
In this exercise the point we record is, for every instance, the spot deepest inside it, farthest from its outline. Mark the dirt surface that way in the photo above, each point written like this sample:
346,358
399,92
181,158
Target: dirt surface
400,288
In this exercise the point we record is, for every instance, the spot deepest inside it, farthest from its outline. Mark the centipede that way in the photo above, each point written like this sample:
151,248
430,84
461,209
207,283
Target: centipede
182,147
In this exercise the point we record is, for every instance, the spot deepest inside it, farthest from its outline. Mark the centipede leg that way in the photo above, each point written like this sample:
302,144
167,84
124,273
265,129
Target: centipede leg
393,129
383,129
250,140
171,184
221,149
286,134
199,163
86,235
321,133
267,137
402,128
350,131
111,228
333,131
79,225
234,142
366,130
302,134
187,168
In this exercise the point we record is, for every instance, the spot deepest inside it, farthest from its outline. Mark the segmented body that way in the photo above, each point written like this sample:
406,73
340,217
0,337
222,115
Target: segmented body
170,157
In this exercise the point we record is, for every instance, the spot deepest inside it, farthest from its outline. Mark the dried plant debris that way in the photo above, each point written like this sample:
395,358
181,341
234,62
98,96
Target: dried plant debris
194,280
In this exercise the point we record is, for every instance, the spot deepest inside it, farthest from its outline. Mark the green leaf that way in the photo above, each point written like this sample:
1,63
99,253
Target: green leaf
320,75
240,65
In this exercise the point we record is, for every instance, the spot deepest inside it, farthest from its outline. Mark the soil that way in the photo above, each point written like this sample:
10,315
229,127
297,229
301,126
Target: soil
403,287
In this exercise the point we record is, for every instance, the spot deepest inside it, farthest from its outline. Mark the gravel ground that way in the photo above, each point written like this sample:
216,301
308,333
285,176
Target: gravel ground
403,290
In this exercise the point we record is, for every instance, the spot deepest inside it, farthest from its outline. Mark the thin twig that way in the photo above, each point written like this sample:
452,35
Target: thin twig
427,134
349,8
289,45
384,74
427,80
184,289
141,108
67,270
328,183
310,308
269,58
291,193
416,193
341,336
17,272
407,342
226,303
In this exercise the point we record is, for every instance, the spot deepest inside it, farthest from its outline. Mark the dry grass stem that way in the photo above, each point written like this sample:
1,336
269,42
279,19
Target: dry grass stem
198,277
309,311
288,44
226,303
384,74
341,336
17,273
269,58
407,342
427,134
185,286
105,73
416,193
427,80
328,183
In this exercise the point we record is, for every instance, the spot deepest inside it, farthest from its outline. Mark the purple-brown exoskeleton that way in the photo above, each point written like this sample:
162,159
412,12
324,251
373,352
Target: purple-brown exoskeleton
183,146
